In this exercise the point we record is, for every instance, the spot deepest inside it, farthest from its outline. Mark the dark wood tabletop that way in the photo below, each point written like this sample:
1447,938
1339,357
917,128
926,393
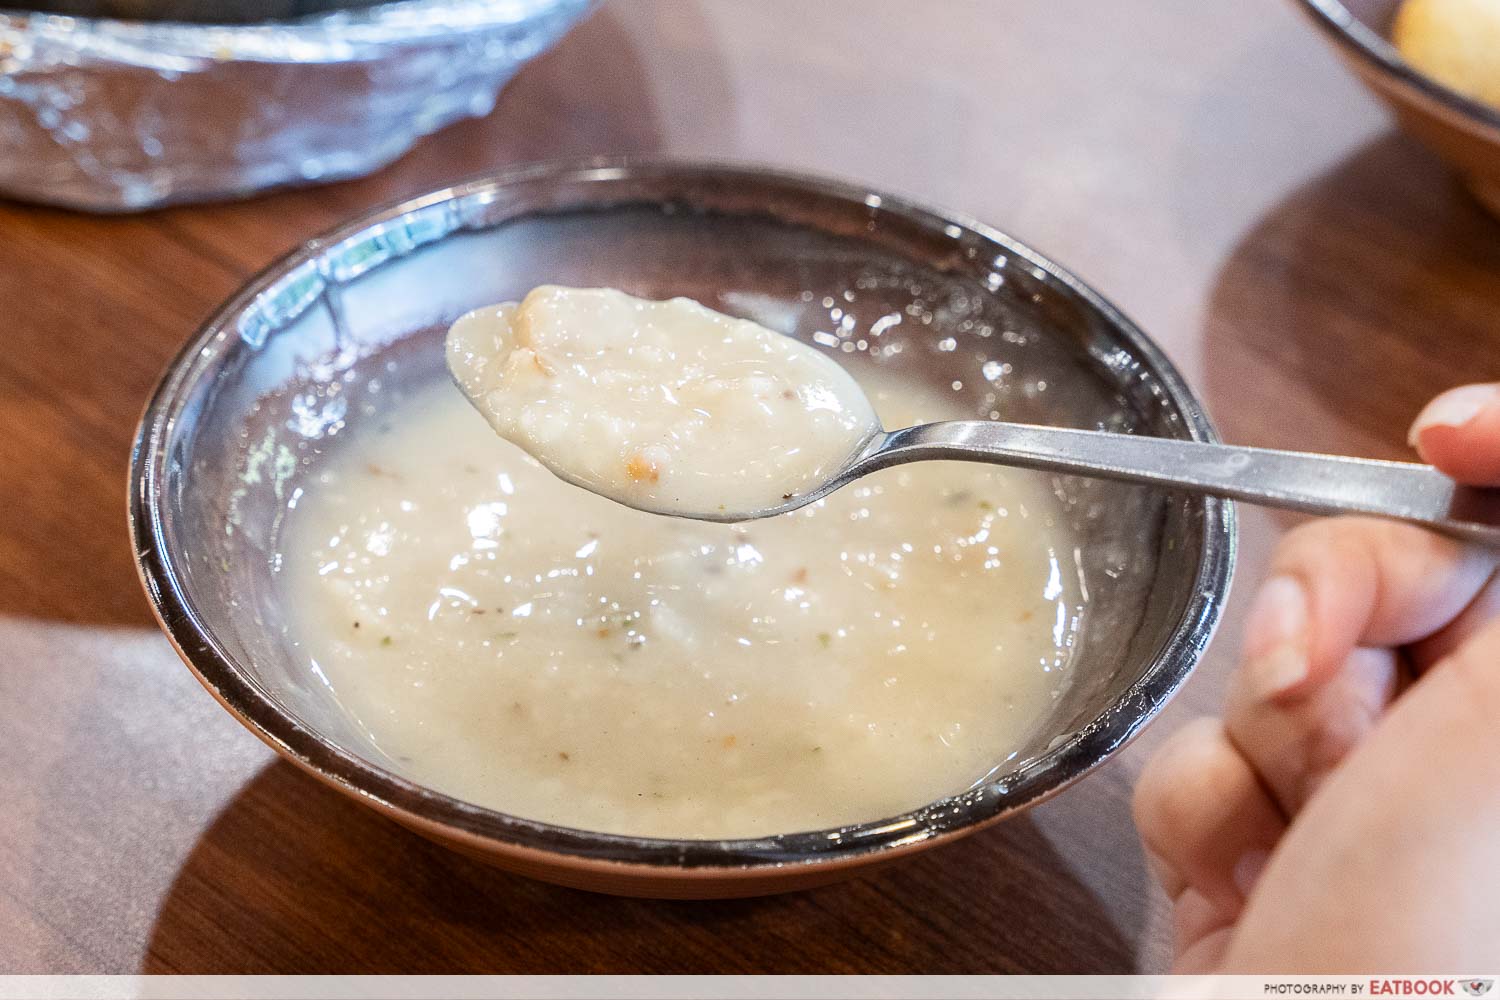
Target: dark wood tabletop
1208,166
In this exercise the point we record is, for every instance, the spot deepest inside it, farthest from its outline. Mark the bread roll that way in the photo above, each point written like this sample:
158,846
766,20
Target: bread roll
1456,42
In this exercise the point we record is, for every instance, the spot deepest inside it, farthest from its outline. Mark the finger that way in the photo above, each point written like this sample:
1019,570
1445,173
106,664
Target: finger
1318,669
1459,432
1294,745
1404,828
1205,817
1200,935
1484,609
1342,583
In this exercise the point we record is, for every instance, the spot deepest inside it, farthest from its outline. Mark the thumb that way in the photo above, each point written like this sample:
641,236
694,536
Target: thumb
1459,432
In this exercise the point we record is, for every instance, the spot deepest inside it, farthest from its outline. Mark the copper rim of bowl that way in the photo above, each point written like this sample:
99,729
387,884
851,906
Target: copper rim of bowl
1374,53
490,831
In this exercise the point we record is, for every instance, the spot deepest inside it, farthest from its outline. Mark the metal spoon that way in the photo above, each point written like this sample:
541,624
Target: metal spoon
1316,484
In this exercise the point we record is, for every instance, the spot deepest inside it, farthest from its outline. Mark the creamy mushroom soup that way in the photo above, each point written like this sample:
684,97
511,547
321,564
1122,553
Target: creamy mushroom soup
526,645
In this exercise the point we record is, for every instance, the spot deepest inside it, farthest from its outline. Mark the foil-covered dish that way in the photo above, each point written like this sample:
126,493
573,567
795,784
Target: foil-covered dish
110,115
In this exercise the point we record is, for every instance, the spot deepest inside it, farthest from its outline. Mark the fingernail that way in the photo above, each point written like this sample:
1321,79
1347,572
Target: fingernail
1248,870
1453,408
1275,638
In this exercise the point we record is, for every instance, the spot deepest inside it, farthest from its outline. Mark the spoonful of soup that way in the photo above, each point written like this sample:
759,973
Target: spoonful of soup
673,408
665,406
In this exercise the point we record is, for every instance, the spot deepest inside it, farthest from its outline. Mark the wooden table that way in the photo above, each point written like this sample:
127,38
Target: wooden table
1206,165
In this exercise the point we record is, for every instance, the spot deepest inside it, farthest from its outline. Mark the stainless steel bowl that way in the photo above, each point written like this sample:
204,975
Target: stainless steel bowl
325,337
108,115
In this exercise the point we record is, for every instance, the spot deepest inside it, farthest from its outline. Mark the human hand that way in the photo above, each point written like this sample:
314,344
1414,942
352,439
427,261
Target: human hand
1344,814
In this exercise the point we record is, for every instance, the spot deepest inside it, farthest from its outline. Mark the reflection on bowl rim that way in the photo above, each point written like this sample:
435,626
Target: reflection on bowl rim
345,34
484,830
1375,52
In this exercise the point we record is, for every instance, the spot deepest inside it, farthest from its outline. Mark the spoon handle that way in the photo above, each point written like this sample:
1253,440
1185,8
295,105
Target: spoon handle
1317,484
